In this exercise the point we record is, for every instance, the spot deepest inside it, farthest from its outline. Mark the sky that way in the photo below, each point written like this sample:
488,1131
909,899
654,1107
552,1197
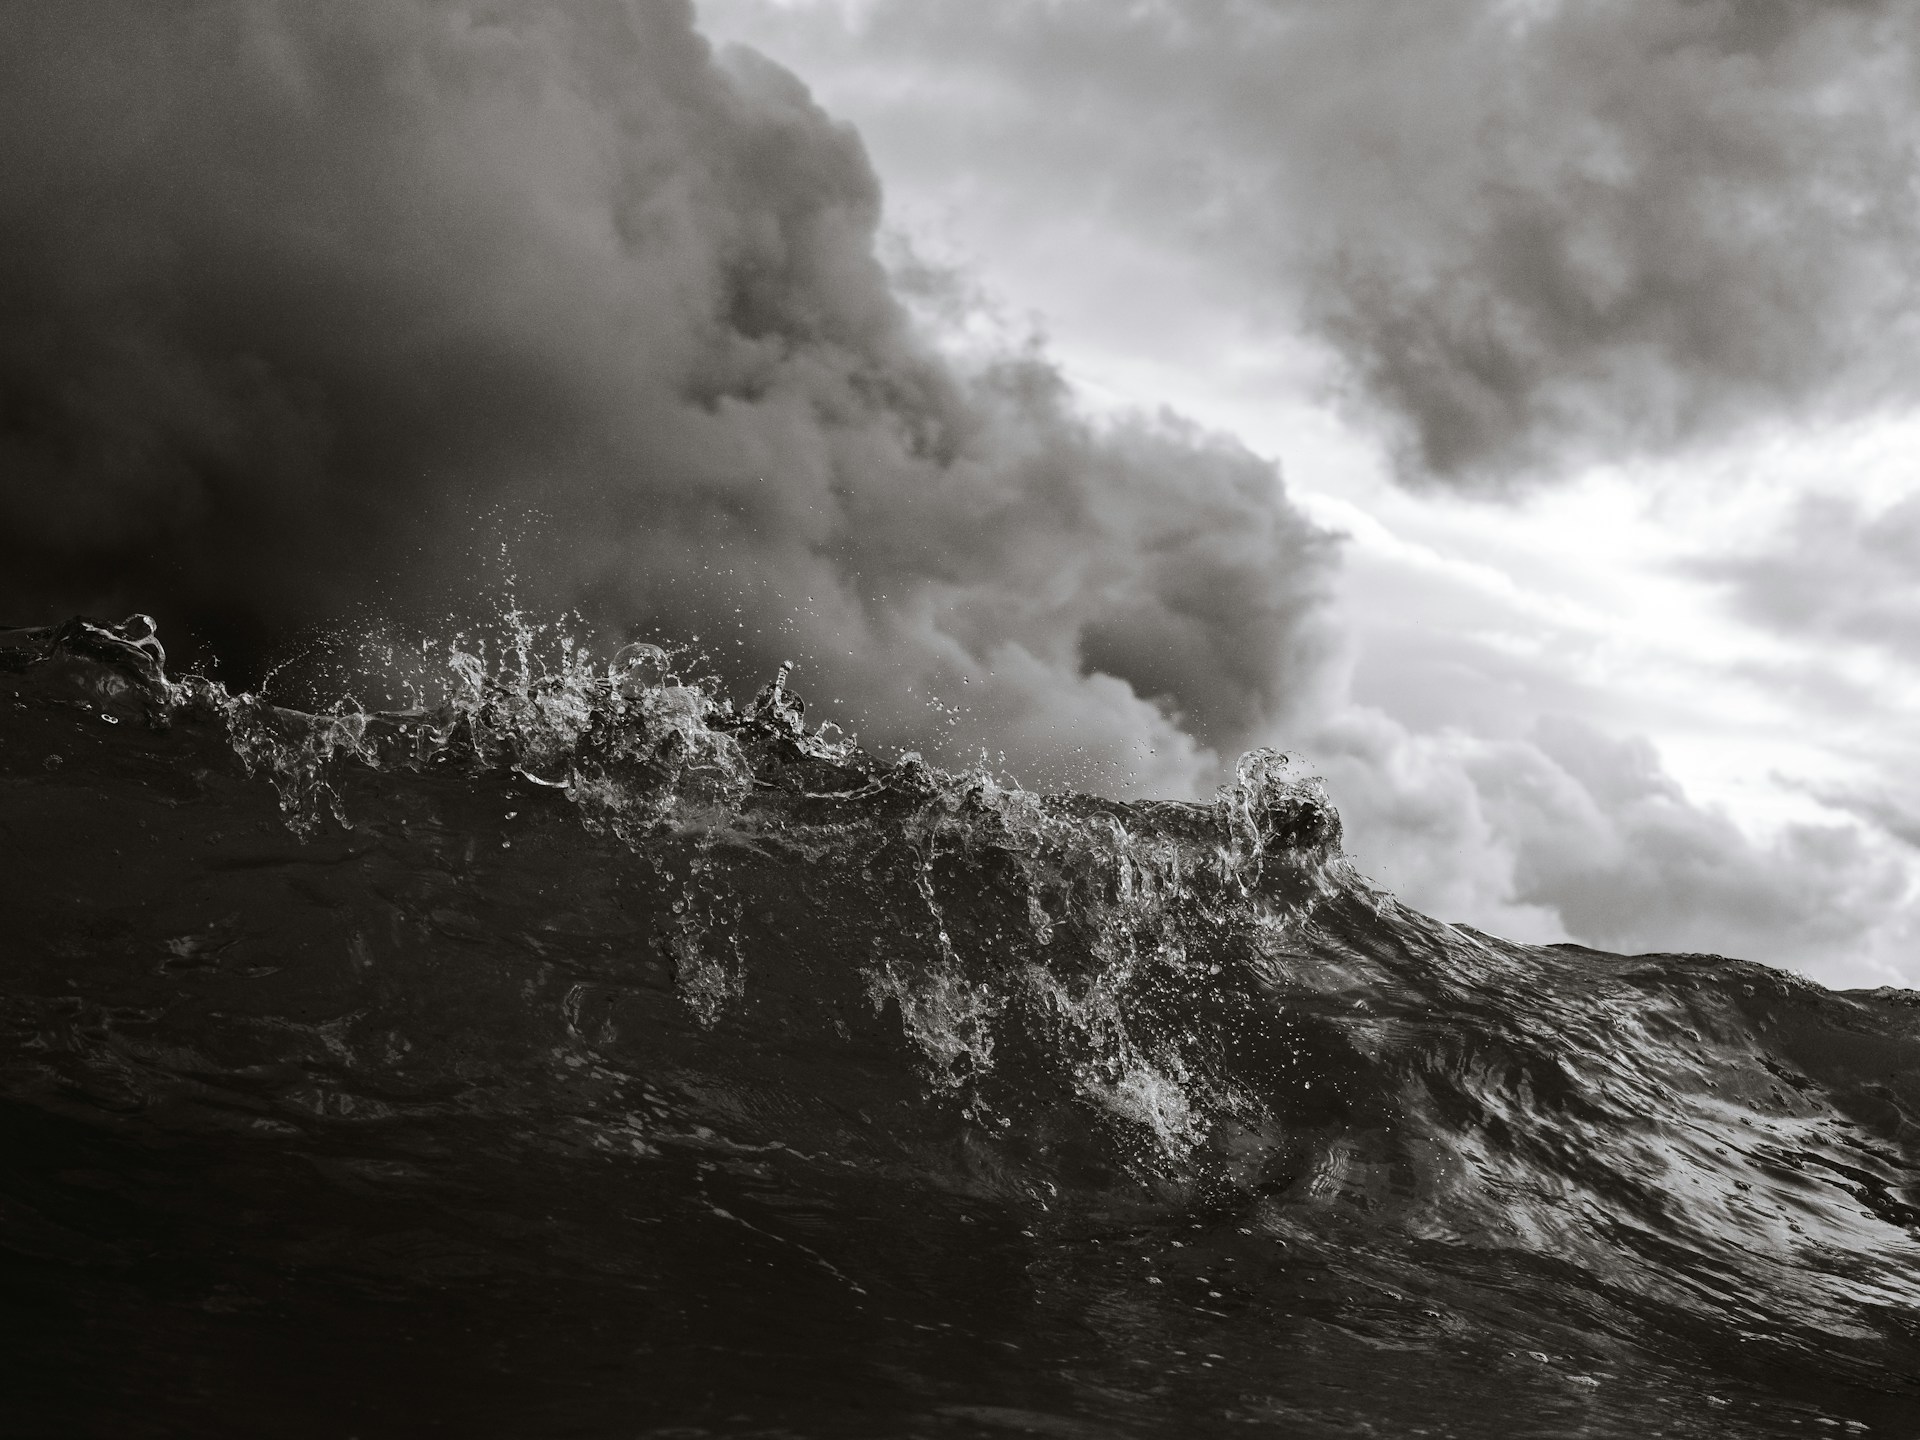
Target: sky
1588,328
1502,405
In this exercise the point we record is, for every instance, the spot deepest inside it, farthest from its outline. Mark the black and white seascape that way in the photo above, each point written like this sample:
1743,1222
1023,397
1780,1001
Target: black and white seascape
878,718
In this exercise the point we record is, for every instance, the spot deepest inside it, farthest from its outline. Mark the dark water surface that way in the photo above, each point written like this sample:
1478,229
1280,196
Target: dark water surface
581,1057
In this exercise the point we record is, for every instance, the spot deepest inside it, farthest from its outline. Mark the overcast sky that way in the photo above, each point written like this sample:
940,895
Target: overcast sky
1503,404
1591,328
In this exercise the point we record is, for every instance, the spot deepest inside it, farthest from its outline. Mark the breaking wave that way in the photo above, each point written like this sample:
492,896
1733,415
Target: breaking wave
650,1064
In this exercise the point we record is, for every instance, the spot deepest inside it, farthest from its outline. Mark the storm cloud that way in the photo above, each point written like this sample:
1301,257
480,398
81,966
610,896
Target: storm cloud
304,310
296,301
1534,233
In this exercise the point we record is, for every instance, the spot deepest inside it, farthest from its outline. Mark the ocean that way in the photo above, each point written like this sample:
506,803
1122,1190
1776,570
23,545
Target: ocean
585,1054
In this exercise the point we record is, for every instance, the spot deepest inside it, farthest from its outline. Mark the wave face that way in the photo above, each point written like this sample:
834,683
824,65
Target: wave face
585,1056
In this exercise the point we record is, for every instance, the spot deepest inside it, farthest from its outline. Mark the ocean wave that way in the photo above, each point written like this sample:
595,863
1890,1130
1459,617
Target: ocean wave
589,918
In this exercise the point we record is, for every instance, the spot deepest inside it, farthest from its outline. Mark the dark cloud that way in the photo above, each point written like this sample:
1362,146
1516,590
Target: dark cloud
1640,225
1535,231
304,307
294,297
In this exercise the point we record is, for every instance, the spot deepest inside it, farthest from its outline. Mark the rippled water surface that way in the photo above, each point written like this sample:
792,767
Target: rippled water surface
582,1056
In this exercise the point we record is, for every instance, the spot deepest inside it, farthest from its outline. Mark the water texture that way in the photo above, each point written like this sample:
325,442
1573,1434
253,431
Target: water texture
583,1055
